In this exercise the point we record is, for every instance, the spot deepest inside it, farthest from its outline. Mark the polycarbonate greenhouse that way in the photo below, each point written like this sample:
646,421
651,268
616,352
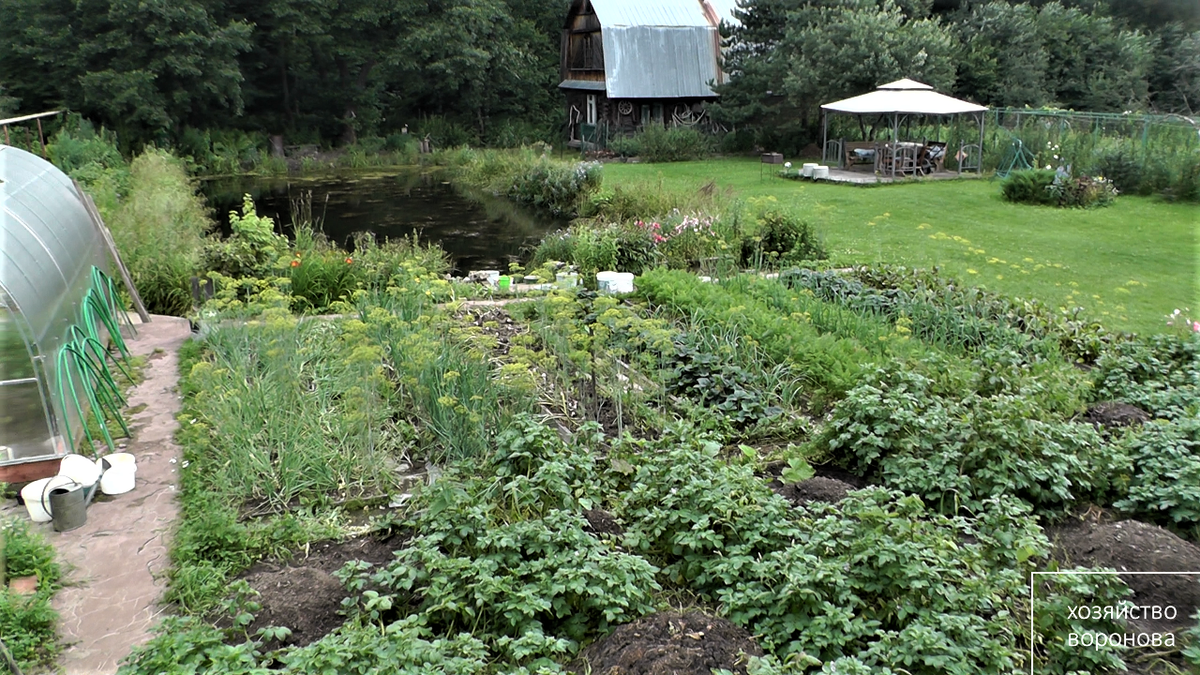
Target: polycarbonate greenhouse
57,312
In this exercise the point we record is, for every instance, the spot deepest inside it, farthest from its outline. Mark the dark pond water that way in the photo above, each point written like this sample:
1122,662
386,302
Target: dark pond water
478,231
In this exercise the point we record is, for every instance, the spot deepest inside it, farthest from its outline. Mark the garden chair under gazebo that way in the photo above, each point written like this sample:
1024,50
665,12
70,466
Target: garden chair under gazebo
897,102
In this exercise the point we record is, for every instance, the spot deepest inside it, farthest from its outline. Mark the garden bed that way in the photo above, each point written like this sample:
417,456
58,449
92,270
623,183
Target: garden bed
861,469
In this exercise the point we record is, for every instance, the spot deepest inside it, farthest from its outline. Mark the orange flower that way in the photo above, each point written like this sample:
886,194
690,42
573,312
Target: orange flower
296,263
349,261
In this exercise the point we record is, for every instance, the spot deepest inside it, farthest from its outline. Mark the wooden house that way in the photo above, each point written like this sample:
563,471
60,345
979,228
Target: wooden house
629,63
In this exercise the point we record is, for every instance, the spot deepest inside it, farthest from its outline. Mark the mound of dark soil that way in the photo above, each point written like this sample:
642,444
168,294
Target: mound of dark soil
602,522
817,489
1116,414
304,599
302,594
669,643
1132,546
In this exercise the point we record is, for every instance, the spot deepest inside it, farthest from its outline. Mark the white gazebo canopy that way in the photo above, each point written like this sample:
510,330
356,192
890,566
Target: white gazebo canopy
901,99
905,97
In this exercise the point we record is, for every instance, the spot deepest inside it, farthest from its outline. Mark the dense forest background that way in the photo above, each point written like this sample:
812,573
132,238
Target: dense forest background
330,71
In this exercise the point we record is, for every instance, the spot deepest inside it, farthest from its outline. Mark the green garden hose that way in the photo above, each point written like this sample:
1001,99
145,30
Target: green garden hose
101,392
82,364
96,313
66,383
105,286
94,350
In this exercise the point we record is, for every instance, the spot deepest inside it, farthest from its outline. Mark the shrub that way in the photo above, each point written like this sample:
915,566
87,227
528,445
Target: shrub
253,250
1083,191
660,144
780,237
691,239
557,187
157,219
403,143
1120,166
86,154
1187,186
1029,186
159,227
595,247
625,146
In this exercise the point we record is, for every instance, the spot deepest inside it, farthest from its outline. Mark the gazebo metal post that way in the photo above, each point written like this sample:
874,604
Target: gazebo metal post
895,140
825,136
982,121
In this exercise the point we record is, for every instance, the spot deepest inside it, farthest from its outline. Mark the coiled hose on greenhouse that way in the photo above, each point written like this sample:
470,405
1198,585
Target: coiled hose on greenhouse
81,364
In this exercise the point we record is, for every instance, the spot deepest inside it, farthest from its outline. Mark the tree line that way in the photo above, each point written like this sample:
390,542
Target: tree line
787,57
314,70
323,71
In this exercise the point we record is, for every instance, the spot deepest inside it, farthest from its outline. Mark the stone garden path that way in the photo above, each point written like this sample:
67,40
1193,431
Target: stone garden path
115,565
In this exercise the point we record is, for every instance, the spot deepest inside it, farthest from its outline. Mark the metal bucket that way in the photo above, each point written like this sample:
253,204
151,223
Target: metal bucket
69,507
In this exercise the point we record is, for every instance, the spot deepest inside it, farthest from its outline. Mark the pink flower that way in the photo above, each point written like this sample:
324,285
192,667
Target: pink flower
1196,326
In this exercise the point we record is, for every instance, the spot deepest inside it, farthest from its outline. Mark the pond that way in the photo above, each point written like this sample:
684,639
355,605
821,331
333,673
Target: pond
477,231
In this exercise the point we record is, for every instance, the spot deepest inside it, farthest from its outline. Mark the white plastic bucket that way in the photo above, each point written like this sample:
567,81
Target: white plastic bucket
36,496
807,169
567,280
117,459
614,282
820,172
120,473
603,280
80,469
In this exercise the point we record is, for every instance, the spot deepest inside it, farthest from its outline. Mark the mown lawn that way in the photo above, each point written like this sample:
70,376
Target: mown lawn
1129,264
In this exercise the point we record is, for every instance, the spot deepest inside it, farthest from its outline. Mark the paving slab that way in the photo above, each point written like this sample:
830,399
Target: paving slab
115,565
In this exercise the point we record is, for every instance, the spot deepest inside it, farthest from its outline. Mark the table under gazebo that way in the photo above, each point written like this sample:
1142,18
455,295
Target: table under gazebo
899,101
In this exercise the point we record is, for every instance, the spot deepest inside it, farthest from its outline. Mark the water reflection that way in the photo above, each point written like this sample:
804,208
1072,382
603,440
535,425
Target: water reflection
478,231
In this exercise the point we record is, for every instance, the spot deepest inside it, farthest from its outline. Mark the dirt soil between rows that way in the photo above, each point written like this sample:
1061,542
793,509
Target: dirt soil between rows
669,643
1133,546
302,593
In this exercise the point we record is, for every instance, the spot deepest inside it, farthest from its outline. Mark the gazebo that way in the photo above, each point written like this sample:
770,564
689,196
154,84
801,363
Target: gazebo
899,100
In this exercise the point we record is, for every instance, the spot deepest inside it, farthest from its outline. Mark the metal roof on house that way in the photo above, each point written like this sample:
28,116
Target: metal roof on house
673,13
659,62
661,49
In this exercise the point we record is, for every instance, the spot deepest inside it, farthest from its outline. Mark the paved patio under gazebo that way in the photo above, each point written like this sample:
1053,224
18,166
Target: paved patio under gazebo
862,177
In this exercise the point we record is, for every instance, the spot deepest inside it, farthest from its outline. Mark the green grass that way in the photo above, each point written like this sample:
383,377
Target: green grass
1129,265
27,623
